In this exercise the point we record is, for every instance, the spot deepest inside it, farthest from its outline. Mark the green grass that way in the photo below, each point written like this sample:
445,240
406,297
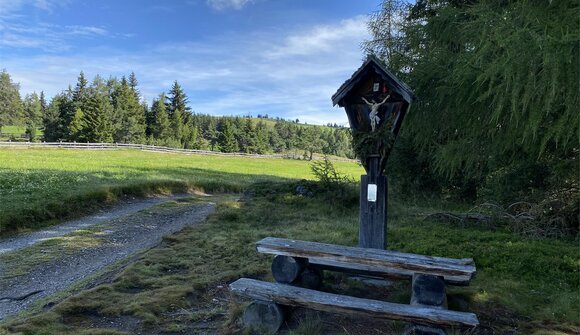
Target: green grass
37,185
17,130
524,284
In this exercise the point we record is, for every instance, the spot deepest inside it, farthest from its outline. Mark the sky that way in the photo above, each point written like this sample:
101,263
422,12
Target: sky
284,58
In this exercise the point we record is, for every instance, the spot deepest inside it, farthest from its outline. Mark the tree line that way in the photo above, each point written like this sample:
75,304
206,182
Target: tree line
113,110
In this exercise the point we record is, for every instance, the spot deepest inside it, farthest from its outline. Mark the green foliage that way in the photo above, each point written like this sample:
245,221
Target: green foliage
10,103
129,117
497,91
177,100
77,127
161,125
32,109
31,131
325,172
112,113
228,141
371,143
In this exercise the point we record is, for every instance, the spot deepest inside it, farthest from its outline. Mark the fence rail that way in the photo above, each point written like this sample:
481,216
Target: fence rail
145,147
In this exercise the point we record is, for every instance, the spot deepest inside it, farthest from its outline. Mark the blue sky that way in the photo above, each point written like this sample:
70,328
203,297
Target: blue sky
232,57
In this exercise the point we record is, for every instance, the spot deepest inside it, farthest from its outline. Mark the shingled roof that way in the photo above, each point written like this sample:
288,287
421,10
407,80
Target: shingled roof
372,63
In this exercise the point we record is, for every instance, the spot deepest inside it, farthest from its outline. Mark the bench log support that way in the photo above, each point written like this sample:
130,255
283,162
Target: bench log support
327,302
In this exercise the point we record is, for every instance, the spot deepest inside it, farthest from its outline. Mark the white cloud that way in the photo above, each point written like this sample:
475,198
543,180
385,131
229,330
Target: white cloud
226,4
229,75
47,37
323,38
8,7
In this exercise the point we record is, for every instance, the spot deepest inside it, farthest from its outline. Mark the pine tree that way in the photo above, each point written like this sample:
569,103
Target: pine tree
32,109
212,134
133,85
176,122
77,127
261,137
80,95
161,126
247,137
177,100
51,120
98,126
128,113
67,111
43,103
99,111
11,110
228,142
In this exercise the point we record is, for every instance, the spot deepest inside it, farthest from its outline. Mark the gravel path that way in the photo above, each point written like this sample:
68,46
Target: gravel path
128,207
117,234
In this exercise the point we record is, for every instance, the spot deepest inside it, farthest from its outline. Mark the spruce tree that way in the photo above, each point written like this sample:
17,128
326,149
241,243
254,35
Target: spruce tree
177,100
133,85
261,138
228,142
176,121
247,137
98,112
32,109
129,113
51,120
77,127
43,103
161,126
11,110
80,94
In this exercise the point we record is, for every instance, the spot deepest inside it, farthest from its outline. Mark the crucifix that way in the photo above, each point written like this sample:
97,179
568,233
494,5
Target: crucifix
373,115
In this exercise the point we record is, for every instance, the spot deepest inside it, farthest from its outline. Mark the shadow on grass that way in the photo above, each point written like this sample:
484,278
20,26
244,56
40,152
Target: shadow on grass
37,198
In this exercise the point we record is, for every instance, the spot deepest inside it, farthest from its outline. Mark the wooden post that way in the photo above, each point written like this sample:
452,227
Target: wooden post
373,206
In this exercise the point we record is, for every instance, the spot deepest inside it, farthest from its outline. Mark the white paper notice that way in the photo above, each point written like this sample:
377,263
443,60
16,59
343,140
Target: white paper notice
372,193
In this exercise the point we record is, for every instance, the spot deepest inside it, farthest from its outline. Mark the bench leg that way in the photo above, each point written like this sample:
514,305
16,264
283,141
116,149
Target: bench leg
286,269
428,291
295,271
262,315
311,278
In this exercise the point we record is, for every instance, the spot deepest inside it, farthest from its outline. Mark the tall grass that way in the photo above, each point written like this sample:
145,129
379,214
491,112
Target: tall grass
37,185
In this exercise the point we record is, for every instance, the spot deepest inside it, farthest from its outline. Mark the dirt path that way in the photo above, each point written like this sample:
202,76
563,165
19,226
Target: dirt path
20,241
39,264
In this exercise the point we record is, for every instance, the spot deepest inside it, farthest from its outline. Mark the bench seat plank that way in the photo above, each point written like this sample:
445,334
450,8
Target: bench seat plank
334,303
372,261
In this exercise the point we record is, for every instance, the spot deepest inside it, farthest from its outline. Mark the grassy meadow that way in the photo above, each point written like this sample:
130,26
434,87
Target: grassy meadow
523,285
37,185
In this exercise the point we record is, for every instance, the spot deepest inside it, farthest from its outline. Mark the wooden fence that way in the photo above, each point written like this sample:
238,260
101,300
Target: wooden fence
145,147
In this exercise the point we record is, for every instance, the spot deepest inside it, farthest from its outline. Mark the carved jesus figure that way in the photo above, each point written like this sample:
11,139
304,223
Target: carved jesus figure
373,115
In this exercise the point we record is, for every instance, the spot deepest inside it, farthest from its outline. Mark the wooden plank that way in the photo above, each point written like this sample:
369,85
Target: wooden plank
454,271
334,303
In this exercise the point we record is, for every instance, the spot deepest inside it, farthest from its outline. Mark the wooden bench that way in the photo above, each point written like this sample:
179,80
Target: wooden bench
376,262
322,301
